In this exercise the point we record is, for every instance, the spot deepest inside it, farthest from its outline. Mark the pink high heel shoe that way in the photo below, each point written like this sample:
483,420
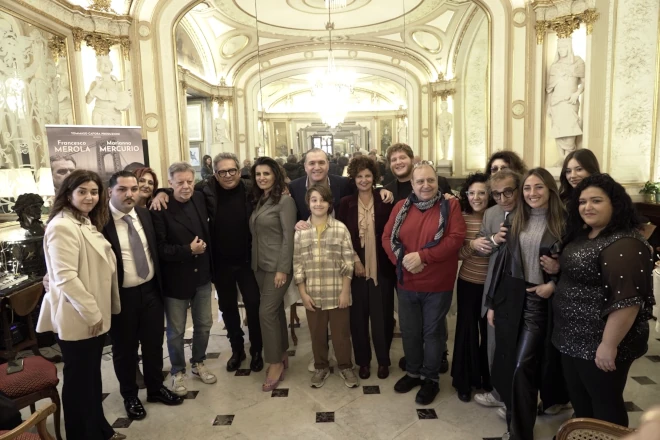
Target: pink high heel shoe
270,384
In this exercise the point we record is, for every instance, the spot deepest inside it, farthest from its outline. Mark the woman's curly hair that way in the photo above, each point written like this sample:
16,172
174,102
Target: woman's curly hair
362,163
624,213
472,179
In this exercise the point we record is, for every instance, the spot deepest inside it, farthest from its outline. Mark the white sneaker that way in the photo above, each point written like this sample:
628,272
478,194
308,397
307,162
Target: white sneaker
179,384
350,379
203,373
487,399
310,366
506,436
502,412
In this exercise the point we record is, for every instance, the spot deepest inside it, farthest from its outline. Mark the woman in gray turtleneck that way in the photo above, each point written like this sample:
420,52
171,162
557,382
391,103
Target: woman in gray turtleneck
519,309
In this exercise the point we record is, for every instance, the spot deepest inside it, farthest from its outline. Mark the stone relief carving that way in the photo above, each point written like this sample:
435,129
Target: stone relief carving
445,125
564,87
402,129
64,93
108,93
29,90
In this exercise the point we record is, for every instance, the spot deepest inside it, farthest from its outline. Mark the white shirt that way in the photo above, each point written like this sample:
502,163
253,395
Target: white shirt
131,278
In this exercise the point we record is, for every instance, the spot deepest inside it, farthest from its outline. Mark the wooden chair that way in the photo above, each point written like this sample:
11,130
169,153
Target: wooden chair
591,429
38,380
37,419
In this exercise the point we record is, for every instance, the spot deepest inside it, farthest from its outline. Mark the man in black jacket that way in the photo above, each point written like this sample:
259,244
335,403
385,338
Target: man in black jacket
182,233
131,233
228,203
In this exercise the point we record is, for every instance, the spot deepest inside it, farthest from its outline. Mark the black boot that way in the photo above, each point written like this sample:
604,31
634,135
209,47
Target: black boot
234,362
257,363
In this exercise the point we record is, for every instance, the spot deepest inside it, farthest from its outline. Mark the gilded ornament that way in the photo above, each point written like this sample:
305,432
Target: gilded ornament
100,43
102,5
589,17
78,36
125,44
542,27
444,94
564,26
57,46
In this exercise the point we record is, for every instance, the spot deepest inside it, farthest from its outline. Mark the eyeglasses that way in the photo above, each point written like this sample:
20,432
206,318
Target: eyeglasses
476,193
507,193
495,168
224,173
64,171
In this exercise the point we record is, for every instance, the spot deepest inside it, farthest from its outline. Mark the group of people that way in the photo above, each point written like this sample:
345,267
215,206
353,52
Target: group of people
553,291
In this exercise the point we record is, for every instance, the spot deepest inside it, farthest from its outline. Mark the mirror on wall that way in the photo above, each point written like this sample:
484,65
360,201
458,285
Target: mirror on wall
35,90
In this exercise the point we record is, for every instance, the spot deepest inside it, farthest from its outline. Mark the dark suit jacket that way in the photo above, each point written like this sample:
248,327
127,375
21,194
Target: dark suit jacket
348,214
340,187
443,186
110,233
174,235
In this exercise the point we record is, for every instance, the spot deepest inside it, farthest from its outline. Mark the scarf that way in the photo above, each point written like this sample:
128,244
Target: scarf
367,234
398,248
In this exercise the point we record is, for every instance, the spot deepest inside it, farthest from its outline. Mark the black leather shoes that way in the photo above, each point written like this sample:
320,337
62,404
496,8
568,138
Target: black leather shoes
464,397
365,372
164,395
407,383
234,362
383,372
444,364
134,408
427,393
402,363
257,362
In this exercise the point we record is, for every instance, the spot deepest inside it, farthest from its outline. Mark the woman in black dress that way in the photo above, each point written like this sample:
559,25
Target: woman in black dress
604,298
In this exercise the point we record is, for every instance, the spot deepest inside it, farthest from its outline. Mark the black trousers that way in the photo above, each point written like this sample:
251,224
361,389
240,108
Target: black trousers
140,322
376,304
527,373
469,366
82,389
595,393
228,277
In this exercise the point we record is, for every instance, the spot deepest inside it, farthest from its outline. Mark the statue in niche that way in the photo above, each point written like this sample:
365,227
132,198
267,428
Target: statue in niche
64,93
108,92
28,208
565,85
386,138
402,130
445,124
221,134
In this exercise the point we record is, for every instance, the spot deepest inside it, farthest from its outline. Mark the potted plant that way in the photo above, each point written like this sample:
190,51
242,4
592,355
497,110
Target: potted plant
649,190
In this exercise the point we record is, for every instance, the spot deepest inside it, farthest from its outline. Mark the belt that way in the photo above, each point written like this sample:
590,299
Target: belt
149,286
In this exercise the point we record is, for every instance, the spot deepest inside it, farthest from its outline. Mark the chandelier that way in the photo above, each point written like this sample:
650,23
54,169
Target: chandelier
335,4
334,88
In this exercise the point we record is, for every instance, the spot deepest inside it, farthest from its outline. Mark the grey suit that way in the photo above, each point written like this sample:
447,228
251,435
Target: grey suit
493,218
272,228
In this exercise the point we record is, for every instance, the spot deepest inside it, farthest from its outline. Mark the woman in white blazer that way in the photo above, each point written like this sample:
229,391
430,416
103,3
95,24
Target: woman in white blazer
83,293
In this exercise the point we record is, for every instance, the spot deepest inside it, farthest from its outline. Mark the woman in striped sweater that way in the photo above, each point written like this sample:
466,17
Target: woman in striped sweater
470,359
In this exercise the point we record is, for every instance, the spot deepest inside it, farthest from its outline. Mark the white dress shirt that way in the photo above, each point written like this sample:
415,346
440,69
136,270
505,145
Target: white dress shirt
131,278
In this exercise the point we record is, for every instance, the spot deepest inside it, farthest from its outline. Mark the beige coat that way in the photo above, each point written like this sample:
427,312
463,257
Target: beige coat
83,280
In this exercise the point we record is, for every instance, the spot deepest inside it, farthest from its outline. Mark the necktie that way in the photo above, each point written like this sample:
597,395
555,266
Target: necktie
140,258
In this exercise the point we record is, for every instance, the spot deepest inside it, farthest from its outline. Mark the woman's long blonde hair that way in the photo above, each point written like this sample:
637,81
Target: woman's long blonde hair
556,215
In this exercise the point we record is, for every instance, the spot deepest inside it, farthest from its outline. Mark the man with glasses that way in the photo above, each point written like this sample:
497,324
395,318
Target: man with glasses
229,210
504,186
61,166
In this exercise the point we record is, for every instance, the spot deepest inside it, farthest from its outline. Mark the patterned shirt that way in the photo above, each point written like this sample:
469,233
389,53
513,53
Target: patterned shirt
475,267
322,263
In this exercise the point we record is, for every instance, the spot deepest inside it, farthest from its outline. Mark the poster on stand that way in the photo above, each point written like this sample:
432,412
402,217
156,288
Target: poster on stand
103,149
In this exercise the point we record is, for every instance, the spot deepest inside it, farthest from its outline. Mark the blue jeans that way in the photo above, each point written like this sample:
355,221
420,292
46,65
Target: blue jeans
422,321
176,311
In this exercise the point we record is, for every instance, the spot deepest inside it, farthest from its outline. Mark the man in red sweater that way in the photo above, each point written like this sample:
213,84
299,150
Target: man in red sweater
422,238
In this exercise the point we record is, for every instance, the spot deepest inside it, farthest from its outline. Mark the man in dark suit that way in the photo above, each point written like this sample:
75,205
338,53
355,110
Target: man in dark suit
133,239
182,233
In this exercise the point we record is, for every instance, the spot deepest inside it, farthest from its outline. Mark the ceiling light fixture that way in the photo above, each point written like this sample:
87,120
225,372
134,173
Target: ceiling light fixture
335,4
334,88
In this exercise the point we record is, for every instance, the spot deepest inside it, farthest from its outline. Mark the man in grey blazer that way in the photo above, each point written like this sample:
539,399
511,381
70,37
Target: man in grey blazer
504,187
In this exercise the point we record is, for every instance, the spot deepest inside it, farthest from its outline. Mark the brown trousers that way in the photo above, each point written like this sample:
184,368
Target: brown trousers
340,328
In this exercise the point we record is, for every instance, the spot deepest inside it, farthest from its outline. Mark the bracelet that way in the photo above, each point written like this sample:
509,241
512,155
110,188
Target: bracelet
492,238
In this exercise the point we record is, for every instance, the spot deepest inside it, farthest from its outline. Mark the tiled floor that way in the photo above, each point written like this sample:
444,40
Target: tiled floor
236,408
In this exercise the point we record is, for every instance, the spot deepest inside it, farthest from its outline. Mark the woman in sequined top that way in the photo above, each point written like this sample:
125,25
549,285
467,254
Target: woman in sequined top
604,298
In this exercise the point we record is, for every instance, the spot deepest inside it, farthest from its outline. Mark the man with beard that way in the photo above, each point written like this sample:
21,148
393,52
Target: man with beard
401,158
